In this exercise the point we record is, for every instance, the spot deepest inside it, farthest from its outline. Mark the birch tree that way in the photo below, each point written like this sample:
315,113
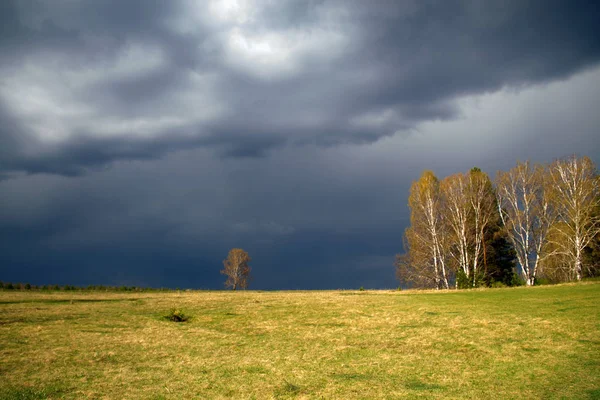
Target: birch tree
525,210
411,266
575,193
426,235
469,206
555,265
457,209
482,201
236,269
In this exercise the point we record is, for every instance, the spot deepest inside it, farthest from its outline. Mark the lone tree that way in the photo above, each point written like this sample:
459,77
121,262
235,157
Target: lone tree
237,269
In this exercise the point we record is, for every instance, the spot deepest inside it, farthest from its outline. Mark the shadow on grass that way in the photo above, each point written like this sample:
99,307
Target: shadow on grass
287,389
352,377
420,385
65,301
30,393
41,319
594,394
256,369
353,293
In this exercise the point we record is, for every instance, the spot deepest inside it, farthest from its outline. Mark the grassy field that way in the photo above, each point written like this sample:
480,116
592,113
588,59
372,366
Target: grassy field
539,342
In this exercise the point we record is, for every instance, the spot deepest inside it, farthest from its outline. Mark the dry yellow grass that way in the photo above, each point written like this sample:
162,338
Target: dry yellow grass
499,343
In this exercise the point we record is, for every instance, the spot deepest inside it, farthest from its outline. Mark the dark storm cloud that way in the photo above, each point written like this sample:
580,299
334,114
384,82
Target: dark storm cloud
443,49
171,222
332,72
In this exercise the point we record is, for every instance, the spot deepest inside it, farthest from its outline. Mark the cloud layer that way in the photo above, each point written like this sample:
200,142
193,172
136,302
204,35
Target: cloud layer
140,140
87,84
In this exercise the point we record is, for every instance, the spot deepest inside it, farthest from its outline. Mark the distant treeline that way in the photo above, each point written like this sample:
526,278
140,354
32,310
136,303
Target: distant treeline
66,288
530,224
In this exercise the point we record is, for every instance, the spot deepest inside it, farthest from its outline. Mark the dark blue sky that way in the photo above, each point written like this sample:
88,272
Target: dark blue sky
141,140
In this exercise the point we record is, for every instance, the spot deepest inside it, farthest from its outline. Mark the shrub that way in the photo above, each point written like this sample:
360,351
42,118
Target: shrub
517,281
498,284
177,315
362,289
462,280
541,281
466,282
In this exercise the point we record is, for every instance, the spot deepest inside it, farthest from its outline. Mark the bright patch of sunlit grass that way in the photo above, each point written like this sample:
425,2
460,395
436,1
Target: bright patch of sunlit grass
497,343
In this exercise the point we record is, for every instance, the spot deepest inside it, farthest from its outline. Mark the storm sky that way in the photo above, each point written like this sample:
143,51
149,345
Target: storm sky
140,140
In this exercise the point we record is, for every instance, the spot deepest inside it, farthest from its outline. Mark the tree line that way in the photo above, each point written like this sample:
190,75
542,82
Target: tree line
67,288
531,223
236,268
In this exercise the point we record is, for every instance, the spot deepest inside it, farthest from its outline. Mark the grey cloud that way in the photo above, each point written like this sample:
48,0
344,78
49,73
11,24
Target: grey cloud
445,49
407,61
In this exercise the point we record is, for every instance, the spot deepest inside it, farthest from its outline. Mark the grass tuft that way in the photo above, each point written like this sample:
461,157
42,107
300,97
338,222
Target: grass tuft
177,315
287,389
420,385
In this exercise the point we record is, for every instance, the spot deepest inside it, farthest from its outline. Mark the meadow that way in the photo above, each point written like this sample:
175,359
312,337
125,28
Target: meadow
541,342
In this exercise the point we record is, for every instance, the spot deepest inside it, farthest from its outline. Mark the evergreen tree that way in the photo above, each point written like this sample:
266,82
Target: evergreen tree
500,258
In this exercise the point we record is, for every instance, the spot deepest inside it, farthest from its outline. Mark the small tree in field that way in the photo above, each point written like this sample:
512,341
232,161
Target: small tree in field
237,269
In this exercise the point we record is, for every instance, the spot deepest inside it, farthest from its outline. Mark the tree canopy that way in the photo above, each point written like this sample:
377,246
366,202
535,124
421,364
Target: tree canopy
237,269
533,220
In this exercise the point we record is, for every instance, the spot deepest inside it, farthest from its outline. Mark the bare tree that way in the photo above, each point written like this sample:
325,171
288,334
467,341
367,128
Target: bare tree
575,193
237,269
481,198
410,271
555,265
426,235
525,211
469,206
454,190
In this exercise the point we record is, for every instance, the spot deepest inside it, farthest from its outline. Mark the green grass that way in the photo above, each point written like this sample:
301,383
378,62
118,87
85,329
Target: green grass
534,343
